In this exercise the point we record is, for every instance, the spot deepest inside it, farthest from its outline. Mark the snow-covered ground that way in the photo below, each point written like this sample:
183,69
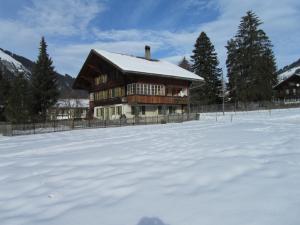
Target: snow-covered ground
244,172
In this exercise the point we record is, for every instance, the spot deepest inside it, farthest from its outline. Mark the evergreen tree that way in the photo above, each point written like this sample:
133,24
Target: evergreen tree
232,69
19,102
4,91
251,63
44,86
184,63
205,64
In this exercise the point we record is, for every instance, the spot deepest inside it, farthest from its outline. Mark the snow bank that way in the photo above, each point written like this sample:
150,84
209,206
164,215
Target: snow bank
197,173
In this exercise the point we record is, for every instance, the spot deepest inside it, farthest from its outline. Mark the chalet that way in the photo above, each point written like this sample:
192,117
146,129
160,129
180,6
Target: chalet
69,109
128,86
288,87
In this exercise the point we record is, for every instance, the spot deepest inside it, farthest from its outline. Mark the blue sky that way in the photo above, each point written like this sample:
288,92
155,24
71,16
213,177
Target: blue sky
73,27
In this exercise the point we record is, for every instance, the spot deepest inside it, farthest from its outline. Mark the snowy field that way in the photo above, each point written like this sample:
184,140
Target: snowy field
244,172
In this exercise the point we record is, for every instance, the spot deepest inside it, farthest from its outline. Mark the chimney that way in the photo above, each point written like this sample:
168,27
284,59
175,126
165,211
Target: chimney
147,52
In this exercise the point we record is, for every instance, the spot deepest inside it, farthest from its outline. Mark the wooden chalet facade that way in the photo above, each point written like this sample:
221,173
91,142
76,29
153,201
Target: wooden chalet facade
128,86
288,88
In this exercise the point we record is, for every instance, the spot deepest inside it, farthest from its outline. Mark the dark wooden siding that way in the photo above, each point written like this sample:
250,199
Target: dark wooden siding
96,65
291,83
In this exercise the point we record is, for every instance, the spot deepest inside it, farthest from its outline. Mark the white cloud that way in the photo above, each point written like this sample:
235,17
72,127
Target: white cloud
73,17
69,59
280,22
66,17
47,18
17,38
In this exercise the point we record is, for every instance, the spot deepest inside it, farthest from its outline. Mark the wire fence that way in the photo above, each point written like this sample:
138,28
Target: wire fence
66,125
196,112
241,107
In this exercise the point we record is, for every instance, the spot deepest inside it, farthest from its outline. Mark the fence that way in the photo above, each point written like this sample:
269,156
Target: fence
65,125
195,110
2,127
252,106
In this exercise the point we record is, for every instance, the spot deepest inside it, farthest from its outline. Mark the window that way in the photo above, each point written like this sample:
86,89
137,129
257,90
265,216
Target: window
119,110
97,81
101,79
138,89
113,111
171,110
92,96
133,89
294,91
104,78
119,92
159,108
98,112
111,93
143,109
152,90
169,91
133,110
129,89
145,89
287,91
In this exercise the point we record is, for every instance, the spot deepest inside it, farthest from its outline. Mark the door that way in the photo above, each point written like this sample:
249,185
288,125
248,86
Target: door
107,113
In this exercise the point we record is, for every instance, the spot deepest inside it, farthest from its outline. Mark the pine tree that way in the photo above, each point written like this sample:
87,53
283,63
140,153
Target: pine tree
4,91
44,86
250,62
205,64
18,102
184,63
232,70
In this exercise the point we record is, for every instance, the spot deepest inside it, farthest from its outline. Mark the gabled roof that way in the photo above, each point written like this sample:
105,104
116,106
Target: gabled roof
138,65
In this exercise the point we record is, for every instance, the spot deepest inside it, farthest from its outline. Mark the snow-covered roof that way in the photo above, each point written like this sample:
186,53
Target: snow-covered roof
287,74
135,64
72,103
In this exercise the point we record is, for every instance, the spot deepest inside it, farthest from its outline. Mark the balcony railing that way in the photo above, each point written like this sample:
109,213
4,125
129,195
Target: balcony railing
144,99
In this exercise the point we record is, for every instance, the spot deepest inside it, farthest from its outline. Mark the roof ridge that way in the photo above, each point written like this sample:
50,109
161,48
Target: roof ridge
133,56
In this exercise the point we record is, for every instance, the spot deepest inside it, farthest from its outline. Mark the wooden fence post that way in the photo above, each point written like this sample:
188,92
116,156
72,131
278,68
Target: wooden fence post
8,130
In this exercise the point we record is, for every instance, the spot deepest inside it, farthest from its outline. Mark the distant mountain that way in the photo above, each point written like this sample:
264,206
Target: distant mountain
289,67
12,64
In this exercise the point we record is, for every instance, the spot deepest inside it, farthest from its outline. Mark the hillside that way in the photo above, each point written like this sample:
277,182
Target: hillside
12,63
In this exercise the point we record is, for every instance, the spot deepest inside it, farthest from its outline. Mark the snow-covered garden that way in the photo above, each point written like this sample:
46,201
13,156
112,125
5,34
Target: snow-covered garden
245,171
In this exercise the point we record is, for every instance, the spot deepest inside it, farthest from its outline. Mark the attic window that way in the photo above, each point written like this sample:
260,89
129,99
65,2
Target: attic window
101,79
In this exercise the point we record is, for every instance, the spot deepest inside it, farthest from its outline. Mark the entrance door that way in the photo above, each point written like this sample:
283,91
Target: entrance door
107,113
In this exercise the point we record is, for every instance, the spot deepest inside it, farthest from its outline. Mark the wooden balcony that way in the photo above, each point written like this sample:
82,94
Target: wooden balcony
145,99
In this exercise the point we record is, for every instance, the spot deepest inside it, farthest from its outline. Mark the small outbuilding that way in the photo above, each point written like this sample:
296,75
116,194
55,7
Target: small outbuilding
288,88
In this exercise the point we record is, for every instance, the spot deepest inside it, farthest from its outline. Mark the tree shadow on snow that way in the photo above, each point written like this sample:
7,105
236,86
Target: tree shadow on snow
151,221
